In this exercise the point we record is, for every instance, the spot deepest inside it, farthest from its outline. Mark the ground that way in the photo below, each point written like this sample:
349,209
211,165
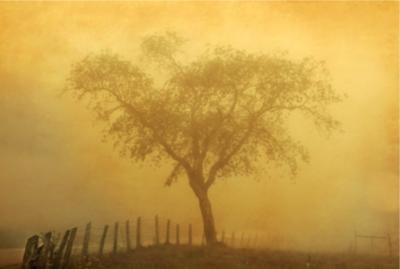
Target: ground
185,257
228,258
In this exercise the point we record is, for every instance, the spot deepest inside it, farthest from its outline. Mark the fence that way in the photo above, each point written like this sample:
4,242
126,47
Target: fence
385,239
75,246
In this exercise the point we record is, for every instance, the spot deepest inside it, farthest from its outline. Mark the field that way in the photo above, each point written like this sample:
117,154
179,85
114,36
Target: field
196,257
228,258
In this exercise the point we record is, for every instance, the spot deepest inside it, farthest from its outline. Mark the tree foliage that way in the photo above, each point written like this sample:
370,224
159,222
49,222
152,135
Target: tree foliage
214,116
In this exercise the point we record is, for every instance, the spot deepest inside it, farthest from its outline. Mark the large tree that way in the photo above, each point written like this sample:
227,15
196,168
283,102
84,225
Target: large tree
217,115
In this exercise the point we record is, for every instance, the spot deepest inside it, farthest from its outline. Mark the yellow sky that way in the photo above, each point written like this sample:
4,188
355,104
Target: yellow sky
55,172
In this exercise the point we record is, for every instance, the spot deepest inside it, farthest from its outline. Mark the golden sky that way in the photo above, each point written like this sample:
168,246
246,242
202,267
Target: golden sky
55,172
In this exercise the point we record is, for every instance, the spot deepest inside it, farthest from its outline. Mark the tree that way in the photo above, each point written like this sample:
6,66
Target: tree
216,116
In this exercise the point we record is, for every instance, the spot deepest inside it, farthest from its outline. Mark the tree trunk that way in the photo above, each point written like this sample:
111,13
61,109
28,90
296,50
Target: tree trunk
208,218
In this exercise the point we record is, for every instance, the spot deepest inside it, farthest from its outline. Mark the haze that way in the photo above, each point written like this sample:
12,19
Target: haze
56,172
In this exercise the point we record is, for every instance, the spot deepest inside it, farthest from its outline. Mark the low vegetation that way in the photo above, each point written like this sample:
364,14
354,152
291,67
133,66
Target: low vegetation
185,257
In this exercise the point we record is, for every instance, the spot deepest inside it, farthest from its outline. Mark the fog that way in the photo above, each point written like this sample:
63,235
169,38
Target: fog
56,172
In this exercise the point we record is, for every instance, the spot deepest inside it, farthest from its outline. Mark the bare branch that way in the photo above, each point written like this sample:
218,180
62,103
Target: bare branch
173,175
224,159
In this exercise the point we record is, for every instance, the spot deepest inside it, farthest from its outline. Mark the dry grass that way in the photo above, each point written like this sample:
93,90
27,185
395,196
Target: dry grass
184,257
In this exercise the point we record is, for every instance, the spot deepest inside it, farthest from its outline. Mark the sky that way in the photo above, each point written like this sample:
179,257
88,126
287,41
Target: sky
55,171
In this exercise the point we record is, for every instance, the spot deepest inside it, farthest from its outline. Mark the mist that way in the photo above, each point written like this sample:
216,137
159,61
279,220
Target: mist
57,173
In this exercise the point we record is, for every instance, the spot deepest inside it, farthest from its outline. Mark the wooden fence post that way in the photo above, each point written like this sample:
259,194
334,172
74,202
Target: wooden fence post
59,252
355,242
241,240
390,246
30,250
139,233
128,235
86,240
177,234
45,251
203,239
157,231
115,245
223,237
103,240
52,248
190,235
233,239
167,241
68,250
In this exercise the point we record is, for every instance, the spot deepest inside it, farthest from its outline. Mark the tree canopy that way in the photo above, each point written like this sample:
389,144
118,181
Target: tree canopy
214,116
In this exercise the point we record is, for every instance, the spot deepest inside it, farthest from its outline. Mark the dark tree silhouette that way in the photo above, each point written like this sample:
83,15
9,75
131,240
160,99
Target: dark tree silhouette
213,117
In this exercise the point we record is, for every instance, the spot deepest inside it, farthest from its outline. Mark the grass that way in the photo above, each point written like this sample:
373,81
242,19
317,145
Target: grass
185,257
220,257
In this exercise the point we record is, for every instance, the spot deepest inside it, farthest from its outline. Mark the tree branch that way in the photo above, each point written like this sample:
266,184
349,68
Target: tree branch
224,160
168,148
173,175
218,125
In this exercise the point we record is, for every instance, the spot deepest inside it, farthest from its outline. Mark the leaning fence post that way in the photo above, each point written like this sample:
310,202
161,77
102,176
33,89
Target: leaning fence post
52,247
86,239
30,248
115,245
138,233
68,249
45,251
177,234
167,232
190,235
157,231
59,252
103,240
128,235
